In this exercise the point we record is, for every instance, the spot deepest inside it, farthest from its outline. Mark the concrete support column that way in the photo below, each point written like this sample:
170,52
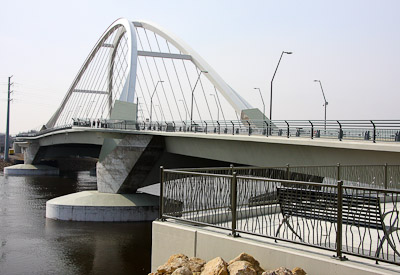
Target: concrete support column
124,164
30,152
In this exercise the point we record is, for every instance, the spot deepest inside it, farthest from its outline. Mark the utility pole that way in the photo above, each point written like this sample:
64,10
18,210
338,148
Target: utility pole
7,141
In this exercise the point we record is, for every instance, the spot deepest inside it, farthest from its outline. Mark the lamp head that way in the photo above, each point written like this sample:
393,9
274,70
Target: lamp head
316,80
288,52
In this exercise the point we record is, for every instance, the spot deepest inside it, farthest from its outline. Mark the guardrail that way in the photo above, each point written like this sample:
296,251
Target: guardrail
384,176
348,220
360,130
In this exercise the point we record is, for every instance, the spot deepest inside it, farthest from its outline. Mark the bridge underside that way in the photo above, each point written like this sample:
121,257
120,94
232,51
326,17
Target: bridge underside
128,161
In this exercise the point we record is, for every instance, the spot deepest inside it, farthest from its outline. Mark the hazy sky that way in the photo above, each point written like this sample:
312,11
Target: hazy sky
351,46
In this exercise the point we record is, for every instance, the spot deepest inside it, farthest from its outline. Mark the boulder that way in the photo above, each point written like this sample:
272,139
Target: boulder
279,271
174,262
216,266
298,271
248,258
182,271
241,268
196,264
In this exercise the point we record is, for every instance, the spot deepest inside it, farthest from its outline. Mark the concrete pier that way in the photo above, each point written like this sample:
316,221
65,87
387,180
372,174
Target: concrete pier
30,170
103,207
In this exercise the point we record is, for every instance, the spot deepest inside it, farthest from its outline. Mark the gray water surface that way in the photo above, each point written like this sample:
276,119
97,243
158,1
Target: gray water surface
32,244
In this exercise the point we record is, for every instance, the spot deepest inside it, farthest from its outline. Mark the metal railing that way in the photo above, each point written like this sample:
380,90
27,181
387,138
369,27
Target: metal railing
349,220
359,130
378,176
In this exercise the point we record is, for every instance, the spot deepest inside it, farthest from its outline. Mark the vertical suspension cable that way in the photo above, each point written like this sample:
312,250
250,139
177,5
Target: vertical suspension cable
149,70
186,109
145,81
169,80
219,102
159,77
92,73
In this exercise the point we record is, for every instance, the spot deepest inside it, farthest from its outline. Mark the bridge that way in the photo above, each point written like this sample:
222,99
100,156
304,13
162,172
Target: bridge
143,98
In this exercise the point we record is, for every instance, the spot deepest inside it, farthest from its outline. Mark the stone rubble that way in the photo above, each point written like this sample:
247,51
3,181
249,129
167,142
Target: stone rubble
243,264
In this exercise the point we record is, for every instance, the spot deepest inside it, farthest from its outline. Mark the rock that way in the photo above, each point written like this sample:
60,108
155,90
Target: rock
241,268
196,264
174,262
298,271
216,266
182,271
248,258
279,271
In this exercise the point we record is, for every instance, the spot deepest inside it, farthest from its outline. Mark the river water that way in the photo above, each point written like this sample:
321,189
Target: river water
32,244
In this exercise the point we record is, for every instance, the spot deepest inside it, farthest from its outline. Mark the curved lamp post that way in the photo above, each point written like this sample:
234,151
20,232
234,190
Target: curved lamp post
270,102
151,100
325,102
191,107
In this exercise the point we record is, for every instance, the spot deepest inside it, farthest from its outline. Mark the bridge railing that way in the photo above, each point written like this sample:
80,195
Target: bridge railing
332,216
358,130
383,176
376,130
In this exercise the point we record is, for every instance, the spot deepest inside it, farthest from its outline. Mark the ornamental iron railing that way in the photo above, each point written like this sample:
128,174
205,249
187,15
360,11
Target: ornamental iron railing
348,220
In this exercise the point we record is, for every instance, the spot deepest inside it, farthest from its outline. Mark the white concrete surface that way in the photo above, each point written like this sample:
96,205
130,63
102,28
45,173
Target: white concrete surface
103,207
207,243
30,170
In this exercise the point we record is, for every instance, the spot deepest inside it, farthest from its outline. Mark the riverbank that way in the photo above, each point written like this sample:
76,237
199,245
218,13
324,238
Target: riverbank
4,164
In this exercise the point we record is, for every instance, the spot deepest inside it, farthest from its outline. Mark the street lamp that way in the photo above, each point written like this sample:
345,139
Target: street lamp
216,103
270,102
151,100
191,108
262,102
325,102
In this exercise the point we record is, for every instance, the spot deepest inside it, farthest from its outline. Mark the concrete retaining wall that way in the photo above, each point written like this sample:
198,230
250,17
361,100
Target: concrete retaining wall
170,238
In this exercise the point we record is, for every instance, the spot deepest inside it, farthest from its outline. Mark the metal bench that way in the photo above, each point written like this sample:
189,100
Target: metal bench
357,210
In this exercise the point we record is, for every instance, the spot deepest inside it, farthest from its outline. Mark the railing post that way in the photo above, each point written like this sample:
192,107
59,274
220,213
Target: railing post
219,128
340,136
233,203
266,132
161,206
232,167
385,183
312,129
233,128
287,171
339,220
374,133
249,127
288,129
206,125
338,172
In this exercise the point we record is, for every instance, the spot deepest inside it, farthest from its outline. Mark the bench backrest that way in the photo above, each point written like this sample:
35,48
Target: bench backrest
311,203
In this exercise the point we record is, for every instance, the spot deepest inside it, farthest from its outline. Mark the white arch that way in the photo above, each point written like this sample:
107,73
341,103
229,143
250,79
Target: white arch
128,90
236,101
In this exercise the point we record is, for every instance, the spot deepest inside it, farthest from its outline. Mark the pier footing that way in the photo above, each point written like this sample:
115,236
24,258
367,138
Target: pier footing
30,170
103,207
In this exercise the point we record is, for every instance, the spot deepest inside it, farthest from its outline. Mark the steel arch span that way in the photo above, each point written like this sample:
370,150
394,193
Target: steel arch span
128,63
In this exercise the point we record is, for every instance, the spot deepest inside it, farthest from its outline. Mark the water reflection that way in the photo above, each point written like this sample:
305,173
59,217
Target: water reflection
32,244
